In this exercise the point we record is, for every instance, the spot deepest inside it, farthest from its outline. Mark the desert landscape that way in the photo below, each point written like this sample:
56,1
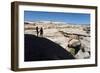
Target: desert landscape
64,34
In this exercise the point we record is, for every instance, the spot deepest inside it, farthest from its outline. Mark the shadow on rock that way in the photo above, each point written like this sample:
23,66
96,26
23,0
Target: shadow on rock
39,48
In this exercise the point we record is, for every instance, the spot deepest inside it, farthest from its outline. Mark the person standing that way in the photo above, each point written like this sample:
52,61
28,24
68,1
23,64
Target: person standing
37,31
41,32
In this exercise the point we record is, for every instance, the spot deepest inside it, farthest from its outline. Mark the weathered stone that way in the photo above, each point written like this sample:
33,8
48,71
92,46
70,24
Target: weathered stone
74,43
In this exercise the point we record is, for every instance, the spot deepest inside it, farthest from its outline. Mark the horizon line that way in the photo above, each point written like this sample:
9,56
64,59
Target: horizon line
58,22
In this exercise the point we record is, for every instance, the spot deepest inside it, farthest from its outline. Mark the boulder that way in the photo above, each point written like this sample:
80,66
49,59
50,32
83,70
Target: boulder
76,44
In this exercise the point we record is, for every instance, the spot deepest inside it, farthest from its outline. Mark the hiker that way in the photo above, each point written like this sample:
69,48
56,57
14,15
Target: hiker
41,32
37,31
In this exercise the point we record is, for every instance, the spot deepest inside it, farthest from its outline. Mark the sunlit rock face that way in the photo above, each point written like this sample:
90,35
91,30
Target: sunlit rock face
61,33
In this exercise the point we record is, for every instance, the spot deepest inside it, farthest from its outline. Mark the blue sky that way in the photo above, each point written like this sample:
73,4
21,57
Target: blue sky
75,18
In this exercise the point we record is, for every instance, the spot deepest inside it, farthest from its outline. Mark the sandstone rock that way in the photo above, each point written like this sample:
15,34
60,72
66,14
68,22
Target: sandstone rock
74,43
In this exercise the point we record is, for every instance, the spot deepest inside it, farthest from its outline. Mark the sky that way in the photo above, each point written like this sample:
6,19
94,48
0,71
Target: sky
75,18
